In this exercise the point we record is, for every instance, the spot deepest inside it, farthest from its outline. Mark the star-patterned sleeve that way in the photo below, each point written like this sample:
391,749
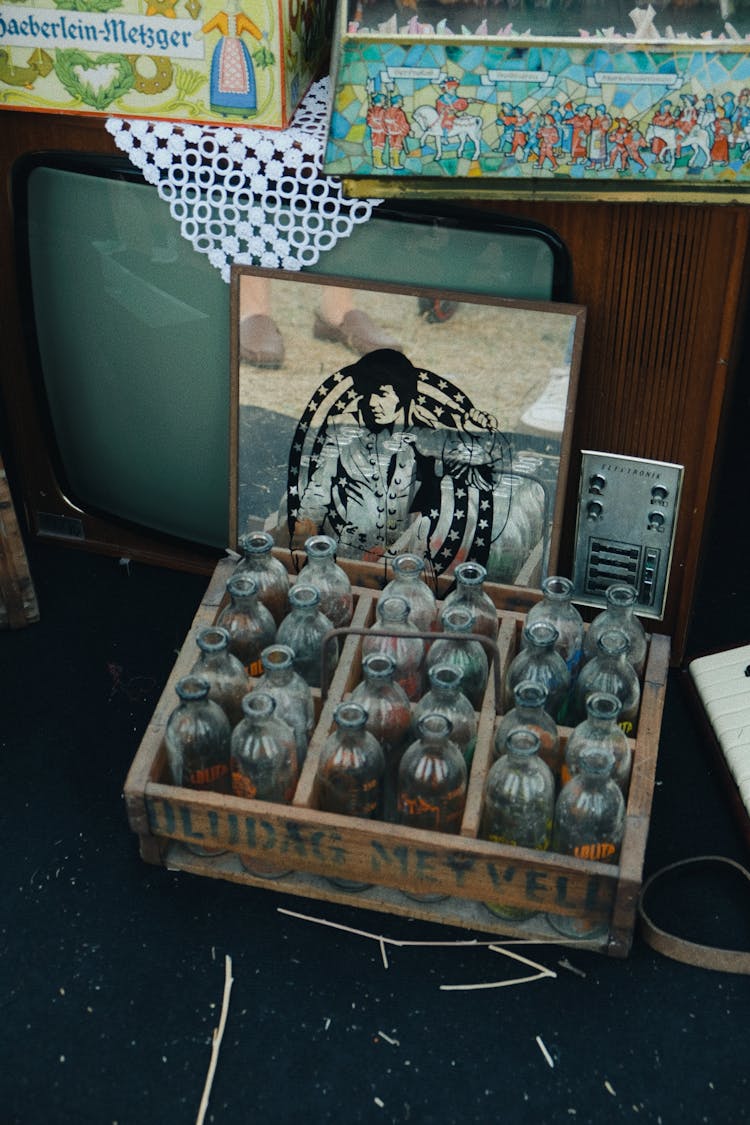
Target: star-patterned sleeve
315,500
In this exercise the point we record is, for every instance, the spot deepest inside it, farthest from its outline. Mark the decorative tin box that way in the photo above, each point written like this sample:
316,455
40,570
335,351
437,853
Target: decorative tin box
547,96
234,61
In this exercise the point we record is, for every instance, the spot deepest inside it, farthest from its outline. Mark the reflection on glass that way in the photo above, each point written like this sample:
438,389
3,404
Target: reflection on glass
447,445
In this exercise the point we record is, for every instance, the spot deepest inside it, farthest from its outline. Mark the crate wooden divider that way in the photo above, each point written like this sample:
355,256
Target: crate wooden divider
317,848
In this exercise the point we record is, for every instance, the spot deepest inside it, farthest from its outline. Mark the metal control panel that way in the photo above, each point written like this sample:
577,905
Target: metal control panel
627,514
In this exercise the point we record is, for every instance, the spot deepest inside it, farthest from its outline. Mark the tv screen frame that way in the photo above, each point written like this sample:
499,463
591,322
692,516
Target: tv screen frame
50,506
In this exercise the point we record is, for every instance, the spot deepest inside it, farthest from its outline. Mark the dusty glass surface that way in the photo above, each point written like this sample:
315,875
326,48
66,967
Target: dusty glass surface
447,441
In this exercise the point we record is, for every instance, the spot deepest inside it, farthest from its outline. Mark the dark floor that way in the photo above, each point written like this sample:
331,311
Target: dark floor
113,970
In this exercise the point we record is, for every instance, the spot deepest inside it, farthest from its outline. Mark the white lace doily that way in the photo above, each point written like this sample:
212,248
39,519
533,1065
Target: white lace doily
244,195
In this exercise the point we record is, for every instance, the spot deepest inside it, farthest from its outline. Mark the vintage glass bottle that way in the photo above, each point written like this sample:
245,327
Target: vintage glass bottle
446,697
250,624
540,661
226,675
392,633
529,700
620,614
388,716
530,470
268,571
408,582
610,671
350,772
464,651
197,742
589,824
432,781
557,608
350,775
264,765
303,630
520,509
329,579
294,698
600,728
510,534
518,804
470,593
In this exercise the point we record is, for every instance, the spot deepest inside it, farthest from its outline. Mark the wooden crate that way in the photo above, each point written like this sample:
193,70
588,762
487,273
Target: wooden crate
393,859
18,604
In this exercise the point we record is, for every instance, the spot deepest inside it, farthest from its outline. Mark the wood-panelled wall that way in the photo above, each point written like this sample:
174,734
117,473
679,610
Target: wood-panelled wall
664,287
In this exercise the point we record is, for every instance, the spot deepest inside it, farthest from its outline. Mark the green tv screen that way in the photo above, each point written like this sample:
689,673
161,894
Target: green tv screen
129,329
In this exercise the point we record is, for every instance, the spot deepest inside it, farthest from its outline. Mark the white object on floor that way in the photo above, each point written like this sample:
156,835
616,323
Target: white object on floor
722,681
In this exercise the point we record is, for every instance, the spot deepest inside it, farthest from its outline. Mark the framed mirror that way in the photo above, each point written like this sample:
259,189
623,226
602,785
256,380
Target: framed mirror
402,418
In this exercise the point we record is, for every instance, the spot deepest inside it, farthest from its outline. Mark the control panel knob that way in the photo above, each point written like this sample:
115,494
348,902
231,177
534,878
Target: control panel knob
597,483
659,494
656,521
594,510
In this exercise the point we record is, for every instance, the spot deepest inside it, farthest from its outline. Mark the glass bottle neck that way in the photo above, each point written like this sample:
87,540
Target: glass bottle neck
593,782
279,676
540,647
393,614
557,591
520,760
377,683
528,710
245,603
408,569
620,614
213,659
601,725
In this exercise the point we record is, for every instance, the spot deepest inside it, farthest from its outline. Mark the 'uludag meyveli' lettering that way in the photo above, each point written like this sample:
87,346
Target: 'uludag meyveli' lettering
383,857
426,866
592,899
460,866
534,883
421,864
213,824
416,861
187,826
322,849
255,833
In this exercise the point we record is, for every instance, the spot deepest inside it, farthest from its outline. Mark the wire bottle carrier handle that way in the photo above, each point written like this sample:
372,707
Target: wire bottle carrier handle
364,631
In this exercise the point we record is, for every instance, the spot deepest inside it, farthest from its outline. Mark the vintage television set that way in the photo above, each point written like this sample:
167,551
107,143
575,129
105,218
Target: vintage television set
663,286
125,341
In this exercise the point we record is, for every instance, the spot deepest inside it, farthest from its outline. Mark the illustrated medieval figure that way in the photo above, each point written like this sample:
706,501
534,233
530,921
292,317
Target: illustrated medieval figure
449,103
580,131
396,129
376,125
600,126
548,136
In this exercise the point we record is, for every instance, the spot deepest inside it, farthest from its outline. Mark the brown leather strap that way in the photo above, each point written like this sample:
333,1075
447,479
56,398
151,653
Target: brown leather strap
689,952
